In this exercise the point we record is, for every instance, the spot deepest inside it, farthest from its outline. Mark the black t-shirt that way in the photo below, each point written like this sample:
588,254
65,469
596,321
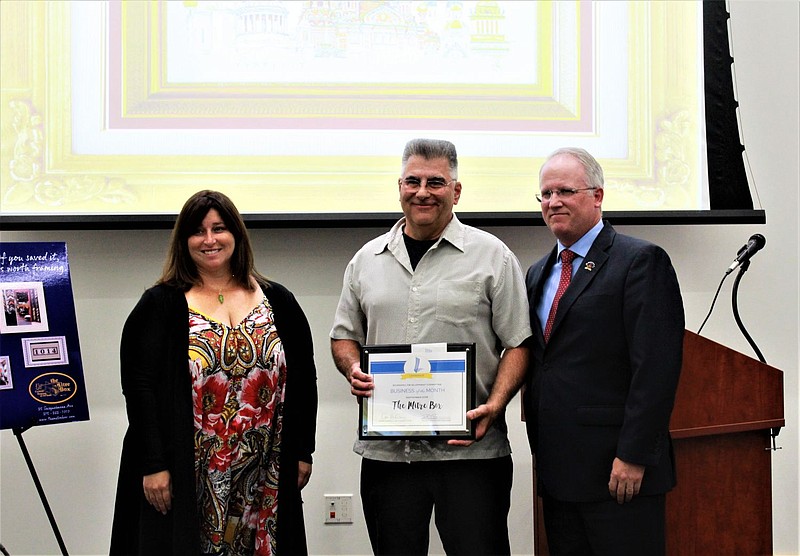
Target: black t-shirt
417,248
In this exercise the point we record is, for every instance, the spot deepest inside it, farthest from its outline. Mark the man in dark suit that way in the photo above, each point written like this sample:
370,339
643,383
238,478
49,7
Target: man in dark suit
603,372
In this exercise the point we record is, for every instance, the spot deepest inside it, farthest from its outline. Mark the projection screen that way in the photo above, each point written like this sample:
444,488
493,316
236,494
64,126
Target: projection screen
113,113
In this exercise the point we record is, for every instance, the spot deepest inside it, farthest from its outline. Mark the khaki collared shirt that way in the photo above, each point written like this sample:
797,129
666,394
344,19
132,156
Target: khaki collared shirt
469,287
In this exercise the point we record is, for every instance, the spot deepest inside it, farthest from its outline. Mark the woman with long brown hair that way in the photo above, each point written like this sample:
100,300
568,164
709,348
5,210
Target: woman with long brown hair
219,380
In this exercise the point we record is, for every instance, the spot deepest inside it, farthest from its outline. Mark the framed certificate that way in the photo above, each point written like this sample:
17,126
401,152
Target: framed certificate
422,391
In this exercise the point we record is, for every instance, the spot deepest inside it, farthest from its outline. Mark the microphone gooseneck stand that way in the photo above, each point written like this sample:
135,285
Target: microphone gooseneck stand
744,264
734,295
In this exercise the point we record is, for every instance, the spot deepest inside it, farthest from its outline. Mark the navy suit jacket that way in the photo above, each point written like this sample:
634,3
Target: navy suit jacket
604,385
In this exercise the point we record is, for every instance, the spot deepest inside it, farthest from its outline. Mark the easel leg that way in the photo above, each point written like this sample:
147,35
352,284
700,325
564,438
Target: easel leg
18,433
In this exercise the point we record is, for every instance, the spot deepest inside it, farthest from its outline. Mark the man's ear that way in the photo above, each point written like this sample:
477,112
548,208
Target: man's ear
598,197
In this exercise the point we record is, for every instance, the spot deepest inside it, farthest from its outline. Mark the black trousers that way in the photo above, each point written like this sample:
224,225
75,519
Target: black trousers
636,528
470,500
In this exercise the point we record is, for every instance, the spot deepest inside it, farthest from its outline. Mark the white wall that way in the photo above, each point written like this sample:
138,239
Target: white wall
77,462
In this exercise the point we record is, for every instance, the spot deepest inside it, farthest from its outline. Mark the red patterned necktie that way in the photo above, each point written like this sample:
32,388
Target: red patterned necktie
567,257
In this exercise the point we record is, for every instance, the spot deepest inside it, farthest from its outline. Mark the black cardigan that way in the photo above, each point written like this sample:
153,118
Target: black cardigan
158,398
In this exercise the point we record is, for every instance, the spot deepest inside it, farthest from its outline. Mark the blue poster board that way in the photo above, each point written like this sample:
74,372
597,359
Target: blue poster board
41,375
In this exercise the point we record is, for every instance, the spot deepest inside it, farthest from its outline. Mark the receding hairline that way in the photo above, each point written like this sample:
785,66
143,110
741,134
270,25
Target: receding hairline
592,171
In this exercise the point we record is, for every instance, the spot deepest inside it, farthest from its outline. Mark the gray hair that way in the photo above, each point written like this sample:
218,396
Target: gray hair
430,149
591,168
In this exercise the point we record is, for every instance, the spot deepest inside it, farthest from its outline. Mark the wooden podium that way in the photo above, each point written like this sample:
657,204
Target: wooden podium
726,409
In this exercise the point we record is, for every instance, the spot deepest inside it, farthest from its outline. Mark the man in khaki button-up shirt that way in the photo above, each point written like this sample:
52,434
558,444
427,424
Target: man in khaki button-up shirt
431,279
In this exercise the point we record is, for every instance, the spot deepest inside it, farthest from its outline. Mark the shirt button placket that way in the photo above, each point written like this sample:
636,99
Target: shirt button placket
413,312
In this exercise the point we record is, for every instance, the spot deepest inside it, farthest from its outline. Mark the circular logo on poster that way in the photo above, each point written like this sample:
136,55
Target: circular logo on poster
52,388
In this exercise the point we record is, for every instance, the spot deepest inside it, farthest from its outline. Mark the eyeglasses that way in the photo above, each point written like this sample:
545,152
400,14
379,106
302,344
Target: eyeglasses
434,184
564,193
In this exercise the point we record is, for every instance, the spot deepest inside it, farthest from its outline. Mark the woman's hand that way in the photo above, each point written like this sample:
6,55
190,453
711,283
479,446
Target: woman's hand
158,490
303,474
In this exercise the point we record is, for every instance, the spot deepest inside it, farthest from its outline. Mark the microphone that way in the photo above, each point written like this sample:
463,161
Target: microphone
753,246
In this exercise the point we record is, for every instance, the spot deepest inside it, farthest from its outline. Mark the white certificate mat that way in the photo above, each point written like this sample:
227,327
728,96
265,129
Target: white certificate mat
421,391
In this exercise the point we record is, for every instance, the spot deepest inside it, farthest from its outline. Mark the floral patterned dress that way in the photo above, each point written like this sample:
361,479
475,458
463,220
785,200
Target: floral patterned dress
238,384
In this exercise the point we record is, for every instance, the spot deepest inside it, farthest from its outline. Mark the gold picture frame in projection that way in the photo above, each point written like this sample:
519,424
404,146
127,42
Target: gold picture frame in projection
102,115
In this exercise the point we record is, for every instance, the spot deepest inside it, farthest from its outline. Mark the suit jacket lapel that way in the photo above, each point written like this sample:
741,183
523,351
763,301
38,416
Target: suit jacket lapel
592,265
538,275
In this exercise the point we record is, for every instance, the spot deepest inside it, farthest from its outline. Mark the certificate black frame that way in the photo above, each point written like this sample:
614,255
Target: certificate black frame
435,434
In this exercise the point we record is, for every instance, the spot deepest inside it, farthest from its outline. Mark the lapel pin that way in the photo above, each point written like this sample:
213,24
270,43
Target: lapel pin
589,266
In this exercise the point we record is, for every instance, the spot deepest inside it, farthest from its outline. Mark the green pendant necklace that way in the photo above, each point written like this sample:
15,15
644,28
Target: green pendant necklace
220,297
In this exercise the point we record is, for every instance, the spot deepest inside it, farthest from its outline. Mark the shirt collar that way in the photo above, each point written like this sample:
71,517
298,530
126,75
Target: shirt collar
453,234
582,246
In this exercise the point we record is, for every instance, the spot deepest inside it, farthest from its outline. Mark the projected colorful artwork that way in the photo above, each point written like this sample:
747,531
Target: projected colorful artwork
304,107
